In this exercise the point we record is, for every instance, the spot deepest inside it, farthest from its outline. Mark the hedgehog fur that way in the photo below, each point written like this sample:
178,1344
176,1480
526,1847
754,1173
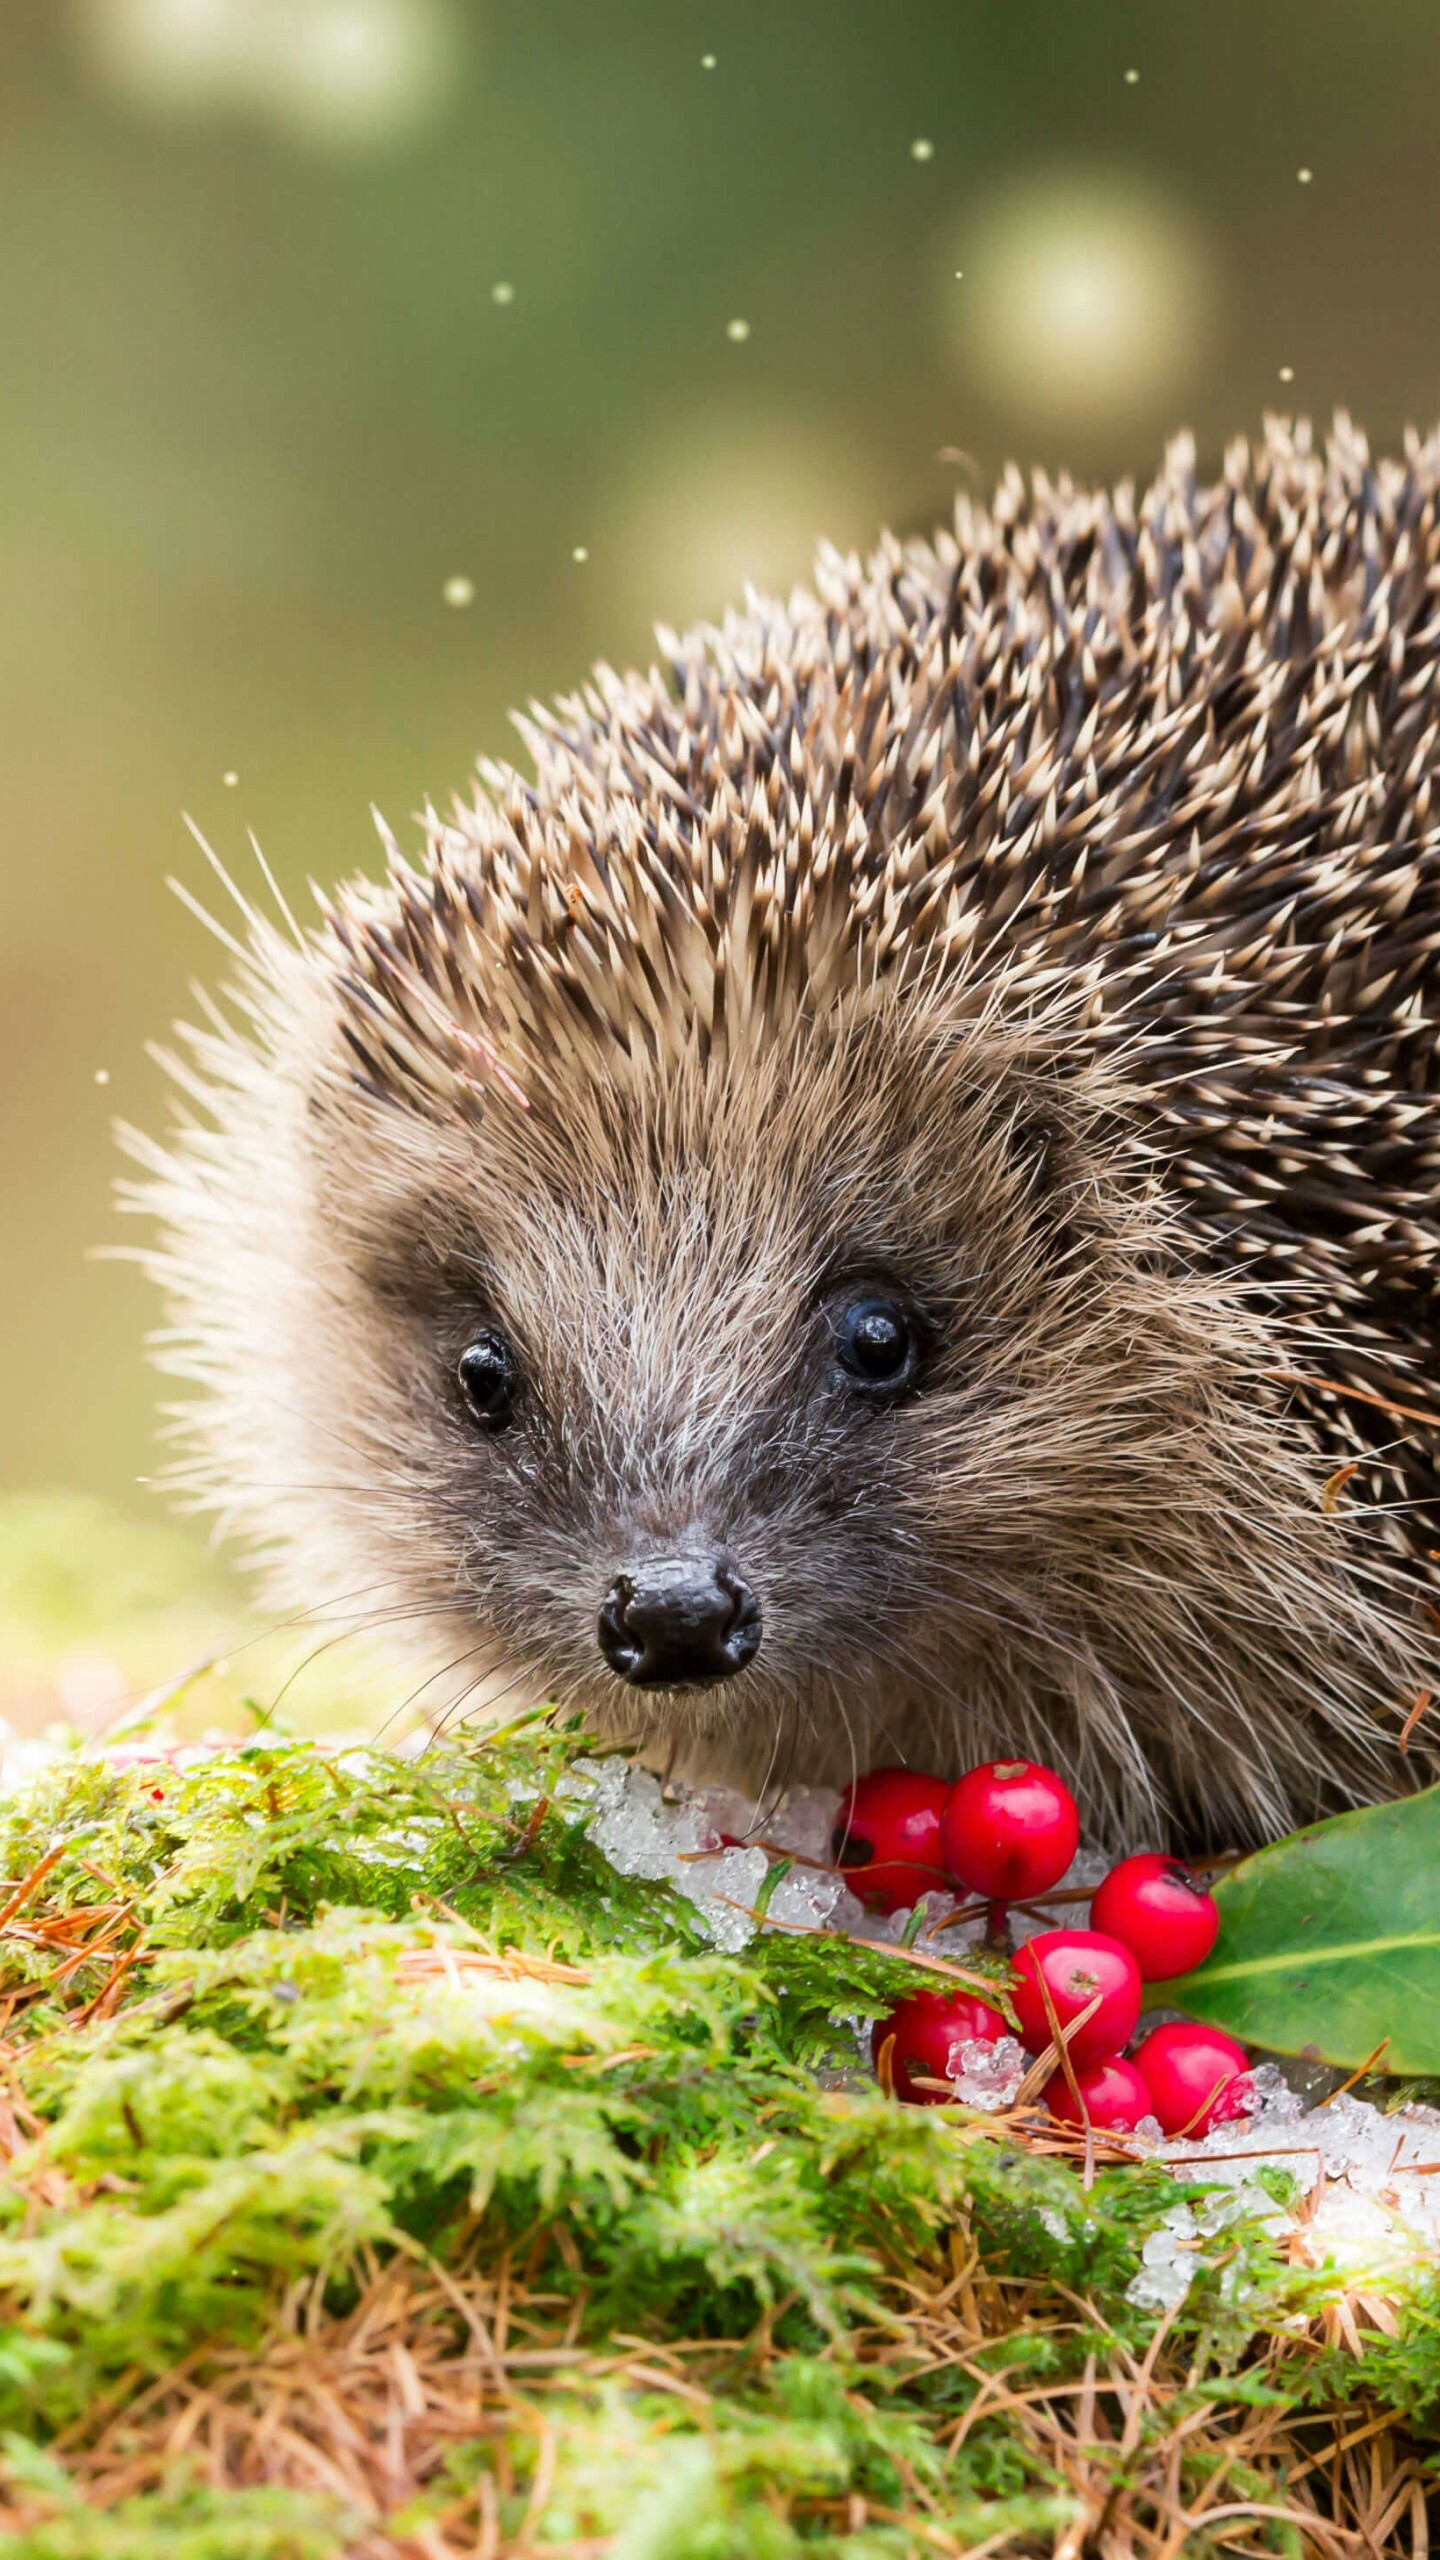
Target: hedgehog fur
1037,928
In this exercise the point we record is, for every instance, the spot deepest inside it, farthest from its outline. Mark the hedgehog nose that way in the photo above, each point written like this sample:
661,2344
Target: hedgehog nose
679,1622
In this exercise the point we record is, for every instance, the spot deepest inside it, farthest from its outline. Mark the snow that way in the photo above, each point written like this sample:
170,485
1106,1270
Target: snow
1367,2186
680,1838
987,2075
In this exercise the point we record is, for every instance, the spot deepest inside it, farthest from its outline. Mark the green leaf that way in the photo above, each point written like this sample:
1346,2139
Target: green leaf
1330,1942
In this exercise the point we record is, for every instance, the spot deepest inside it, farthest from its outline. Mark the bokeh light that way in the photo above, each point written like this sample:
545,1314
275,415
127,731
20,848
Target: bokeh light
1092,299
336,73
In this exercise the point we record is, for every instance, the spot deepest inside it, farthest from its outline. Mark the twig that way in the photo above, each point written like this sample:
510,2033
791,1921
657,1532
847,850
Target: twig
1358,1395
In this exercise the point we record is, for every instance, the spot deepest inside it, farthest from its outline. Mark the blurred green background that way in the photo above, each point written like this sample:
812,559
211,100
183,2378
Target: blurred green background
370,365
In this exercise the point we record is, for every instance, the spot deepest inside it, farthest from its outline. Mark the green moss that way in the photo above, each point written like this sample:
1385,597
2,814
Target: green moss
288,2089
187,2523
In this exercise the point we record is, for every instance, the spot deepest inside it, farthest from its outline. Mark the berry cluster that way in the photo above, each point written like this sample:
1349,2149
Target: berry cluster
1007,1832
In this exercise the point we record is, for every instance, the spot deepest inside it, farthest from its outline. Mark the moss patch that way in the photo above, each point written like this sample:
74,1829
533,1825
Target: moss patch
387,2175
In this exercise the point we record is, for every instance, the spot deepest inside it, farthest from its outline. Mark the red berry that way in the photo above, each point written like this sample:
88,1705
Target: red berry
1010,1830
1115,2096
887,1837
927,2028
1167,1920
1196,2077
1076,1963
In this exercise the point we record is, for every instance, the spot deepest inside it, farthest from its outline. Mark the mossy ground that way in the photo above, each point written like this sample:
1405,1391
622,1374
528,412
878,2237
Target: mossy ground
385,2175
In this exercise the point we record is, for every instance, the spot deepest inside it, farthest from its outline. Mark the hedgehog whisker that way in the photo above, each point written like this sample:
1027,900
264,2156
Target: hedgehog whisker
345,1635
446,1671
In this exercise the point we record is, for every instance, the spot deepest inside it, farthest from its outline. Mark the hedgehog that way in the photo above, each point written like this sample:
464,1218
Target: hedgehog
883,1205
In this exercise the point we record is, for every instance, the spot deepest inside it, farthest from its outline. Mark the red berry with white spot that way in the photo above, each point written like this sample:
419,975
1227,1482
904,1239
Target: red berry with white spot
1167,1920
1115,2095
928,2028
887,1837
1075,1965
1010,1830
1196,2077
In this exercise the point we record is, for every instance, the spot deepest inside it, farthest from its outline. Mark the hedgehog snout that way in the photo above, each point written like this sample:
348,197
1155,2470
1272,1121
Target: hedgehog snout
683,1621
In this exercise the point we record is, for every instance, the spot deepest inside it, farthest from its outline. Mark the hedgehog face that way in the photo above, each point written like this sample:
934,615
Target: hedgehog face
630,1418
723,1403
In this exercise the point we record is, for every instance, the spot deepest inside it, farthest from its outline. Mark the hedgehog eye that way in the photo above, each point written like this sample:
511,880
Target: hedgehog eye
876,1347
489,1375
